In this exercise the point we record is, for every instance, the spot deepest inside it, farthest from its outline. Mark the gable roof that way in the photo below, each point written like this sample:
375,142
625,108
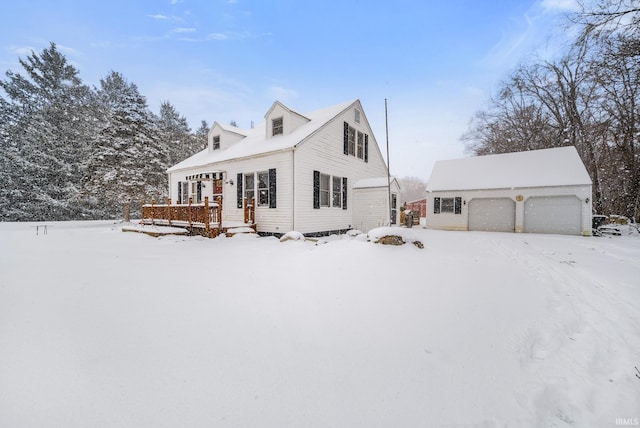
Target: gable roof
229,128
255,142
560,166
287,109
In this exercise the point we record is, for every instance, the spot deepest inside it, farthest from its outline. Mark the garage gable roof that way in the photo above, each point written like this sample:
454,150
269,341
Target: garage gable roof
560,166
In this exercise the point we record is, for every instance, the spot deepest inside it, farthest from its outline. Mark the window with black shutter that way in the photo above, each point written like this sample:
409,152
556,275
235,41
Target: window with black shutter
239,192
325,190
345,139
272,188
344,193
263,188
316,190
457,206
366,148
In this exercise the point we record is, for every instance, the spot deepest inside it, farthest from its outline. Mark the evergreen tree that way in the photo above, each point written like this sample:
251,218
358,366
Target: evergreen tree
201,137
128,161
175,133
45,132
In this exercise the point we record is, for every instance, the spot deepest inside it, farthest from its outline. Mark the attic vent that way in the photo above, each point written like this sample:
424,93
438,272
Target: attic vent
278,128
357,116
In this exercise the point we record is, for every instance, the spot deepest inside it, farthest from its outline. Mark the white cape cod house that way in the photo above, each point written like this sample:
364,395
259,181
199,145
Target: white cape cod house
315,173
538,191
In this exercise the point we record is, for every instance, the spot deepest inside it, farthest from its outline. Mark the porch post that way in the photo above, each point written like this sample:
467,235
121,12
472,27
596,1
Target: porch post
207,224
219,214
253,210
169,211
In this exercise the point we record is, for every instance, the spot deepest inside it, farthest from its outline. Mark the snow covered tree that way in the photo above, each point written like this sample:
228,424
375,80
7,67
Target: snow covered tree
45,130
128,161
201,136
413,189
175,133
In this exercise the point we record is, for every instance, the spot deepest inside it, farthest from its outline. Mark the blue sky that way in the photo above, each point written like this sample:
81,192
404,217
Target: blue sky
436,62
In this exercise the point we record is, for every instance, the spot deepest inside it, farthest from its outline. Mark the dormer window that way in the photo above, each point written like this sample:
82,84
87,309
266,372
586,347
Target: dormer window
278,127
216,142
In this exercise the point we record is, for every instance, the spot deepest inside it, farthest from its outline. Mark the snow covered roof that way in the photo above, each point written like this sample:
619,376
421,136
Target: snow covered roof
256,143
560,166
373,182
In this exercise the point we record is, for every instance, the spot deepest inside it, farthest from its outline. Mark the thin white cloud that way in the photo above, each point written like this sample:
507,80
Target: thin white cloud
183,30
560,5
540,31
217,36
281,93
67,49
158,16
21,50
26,50
231,35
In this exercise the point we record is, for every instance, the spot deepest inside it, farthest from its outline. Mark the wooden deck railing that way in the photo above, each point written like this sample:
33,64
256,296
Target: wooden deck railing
207,216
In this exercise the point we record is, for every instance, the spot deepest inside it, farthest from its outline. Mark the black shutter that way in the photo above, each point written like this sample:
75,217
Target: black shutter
344,193
239,191
272,188
457,208
345,139
436,205
316,190
199,191
179,192
366,148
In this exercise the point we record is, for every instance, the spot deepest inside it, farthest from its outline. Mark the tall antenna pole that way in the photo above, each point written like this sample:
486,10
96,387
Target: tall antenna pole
386,125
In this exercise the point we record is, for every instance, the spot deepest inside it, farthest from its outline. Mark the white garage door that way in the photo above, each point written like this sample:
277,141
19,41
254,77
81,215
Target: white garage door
492,214
553,214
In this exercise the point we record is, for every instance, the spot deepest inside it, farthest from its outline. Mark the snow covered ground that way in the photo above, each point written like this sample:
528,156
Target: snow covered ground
111,329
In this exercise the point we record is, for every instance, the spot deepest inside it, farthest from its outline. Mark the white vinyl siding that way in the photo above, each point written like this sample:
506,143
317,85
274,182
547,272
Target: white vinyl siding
269,220
560,209
325,153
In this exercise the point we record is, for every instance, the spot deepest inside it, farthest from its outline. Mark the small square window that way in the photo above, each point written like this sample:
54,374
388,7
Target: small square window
446,205
278,127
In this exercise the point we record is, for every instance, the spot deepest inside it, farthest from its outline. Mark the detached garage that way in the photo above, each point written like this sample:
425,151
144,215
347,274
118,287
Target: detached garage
538,191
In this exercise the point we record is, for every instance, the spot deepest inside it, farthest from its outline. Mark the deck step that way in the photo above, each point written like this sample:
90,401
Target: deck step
155,231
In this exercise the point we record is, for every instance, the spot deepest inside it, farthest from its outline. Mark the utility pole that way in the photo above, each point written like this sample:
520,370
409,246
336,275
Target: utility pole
386,125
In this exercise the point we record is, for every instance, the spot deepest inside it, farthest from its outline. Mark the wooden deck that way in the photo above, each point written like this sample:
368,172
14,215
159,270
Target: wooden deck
199,219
